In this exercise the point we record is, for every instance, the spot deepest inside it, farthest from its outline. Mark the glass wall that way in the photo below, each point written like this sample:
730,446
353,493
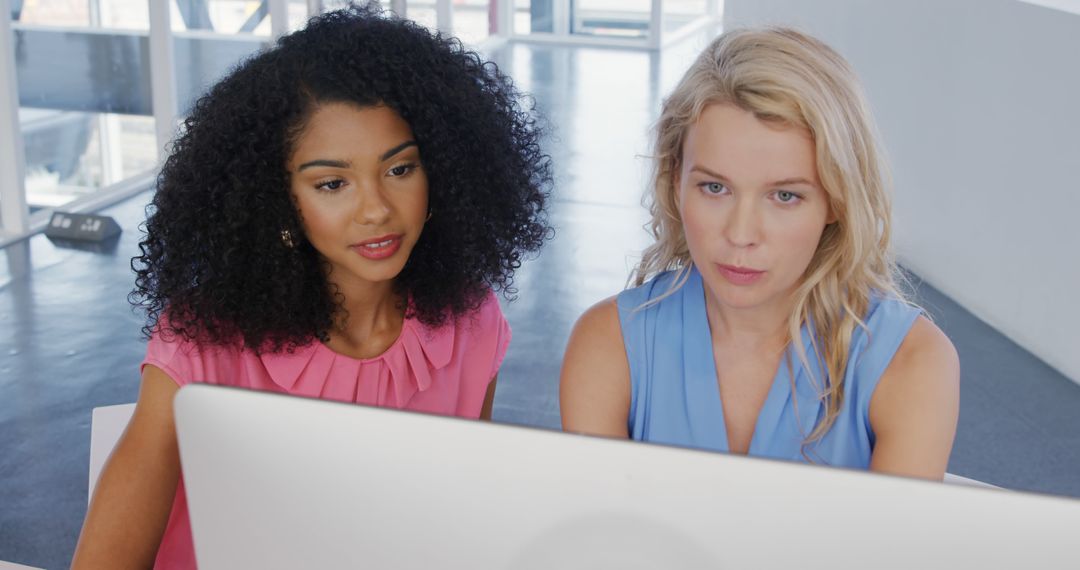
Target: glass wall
533,17
611,18
473,20
679,14
423,12
83,67
221,16
617,23
79,131
70,154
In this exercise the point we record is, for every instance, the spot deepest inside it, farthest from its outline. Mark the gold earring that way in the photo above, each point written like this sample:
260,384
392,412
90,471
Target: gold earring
287,239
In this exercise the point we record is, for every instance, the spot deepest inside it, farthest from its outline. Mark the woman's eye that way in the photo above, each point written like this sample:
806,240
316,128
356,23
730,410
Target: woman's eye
713,187
401,169
330,185
786,197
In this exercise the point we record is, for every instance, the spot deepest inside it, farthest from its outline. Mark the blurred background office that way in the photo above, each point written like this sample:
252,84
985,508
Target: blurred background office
975,100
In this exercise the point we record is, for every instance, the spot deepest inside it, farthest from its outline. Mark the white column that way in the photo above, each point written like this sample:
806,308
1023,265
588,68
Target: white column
110,135
398,7
444,16
279,18
504,18
108,126
14,214
560,17
95,13
314,8
716,8
162,75
656,24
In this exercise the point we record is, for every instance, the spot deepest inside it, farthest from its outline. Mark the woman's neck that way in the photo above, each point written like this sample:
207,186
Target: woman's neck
760,328
371,319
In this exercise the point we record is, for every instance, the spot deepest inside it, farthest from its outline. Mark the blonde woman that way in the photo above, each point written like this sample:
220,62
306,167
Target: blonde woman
766,319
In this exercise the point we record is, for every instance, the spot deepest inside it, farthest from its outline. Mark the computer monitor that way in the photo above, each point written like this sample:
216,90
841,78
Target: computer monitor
282,482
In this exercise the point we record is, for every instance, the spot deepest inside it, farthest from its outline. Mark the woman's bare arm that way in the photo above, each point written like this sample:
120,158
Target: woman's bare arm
594,388
134,494
914,409
489,400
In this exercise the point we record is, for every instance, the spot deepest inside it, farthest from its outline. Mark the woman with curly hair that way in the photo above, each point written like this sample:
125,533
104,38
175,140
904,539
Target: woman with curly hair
330,223
766,319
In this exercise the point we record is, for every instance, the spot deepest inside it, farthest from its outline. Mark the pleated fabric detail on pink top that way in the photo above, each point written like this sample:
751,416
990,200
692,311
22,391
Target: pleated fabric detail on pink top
390,379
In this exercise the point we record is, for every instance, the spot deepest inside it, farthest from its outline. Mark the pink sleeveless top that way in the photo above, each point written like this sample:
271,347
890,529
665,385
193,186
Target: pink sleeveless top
441,371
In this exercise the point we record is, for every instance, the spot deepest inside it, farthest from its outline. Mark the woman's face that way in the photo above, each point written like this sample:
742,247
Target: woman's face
360,189
752,206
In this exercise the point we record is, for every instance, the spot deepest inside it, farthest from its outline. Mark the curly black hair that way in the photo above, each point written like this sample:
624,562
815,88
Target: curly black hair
213,266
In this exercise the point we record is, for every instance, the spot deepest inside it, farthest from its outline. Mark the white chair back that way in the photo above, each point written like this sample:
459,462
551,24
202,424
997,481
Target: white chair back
106,427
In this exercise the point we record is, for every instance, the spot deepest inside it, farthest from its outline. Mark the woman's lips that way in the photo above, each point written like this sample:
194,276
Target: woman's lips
378,248
739,275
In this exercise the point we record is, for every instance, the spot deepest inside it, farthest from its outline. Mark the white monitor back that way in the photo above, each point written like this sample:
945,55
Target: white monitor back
281,482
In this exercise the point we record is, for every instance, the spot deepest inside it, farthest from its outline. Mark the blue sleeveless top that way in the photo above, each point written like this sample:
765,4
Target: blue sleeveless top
675,397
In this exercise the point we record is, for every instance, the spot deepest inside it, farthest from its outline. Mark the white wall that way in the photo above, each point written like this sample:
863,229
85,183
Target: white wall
978,102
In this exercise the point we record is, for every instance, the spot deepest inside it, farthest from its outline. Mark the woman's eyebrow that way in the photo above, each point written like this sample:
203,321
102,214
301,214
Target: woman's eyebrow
323,162
397,149
347,164
706,171
792,181
784,182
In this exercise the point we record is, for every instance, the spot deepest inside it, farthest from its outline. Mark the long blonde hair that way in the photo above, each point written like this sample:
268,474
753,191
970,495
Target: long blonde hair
787,77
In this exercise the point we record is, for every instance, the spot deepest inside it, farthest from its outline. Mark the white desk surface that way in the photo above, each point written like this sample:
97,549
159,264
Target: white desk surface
13,566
